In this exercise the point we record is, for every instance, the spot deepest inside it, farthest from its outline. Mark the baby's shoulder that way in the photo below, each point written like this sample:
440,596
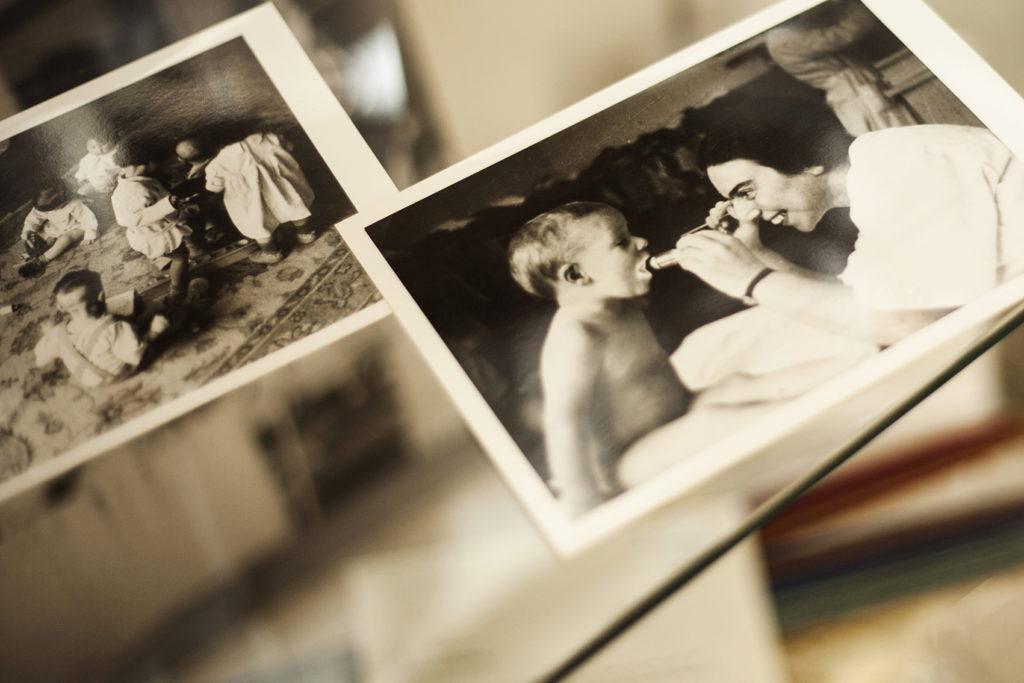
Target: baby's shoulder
570,339
573,329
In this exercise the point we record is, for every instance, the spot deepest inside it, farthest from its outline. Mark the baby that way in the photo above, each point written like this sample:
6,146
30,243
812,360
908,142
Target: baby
605,380
55,223
97,171
96,347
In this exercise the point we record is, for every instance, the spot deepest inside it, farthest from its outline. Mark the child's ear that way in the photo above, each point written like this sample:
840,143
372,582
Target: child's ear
571,273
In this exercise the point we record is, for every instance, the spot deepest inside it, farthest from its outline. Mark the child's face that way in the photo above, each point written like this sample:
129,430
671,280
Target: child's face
94,146
48,199
73,302
613,260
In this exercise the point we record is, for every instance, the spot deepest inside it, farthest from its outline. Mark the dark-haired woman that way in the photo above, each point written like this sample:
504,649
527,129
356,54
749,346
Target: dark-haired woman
939,211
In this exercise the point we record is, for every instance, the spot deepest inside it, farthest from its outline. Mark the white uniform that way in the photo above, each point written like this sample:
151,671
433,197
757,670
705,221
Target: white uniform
143,206
262,183
940,216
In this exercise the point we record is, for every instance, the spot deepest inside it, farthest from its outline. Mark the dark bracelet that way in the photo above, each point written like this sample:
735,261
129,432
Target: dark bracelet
748,296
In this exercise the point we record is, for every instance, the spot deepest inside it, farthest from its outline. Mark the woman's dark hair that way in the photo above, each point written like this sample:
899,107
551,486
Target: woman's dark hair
787,134
88,280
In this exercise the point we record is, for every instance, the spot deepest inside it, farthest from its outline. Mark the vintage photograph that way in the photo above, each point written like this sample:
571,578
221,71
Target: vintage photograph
159,236
674,265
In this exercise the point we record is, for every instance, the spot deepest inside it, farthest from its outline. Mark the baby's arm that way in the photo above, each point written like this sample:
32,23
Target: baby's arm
214,176
82,170
568,373
137,206
34,222
86,220
125,345
45,349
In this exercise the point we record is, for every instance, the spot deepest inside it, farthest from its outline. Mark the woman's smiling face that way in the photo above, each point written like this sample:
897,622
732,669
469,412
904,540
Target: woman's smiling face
798,201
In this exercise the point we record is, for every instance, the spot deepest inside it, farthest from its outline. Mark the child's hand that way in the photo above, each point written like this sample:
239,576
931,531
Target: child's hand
180,201
157,326
89,239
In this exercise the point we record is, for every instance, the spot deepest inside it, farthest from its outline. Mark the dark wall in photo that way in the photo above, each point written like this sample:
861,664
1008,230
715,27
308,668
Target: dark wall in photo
222,94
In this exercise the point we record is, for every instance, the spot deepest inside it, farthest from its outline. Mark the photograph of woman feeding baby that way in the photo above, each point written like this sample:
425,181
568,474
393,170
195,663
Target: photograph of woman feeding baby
163,234
673,267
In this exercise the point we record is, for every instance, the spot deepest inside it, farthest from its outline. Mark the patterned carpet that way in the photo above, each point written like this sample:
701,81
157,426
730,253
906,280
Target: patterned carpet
256,310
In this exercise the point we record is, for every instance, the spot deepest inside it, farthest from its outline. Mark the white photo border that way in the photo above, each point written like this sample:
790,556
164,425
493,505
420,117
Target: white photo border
952,61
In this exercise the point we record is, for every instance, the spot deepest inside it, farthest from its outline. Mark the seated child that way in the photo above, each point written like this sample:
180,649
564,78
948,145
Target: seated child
97,171
154,225
263,187
96,347
605,379
55,223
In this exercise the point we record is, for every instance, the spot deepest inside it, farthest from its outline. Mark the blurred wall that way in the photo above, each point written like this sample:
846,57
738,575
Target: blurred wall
94,561
492,68
992,28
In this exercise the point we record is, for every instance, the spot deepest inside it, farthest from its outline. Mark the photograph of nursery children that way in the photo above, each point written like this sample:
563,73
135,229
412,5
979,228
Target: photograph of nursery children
158,237
607,366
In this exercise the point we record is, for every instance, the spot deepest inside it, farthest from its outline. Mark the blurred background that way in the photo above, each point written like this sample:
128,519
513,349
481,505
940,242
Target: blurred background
388,549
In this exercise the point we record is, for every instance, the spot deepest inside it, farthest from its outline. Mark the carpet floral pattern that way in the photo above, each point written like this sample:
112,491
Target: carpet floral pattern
255,310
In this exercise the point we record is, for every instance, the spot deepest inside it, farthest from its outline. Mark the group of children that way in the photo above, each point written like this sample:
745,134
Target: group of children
256,181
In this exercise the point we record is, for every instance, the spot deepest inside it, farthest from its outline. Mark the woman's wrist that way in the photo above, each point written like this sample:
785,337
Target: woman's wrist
748,295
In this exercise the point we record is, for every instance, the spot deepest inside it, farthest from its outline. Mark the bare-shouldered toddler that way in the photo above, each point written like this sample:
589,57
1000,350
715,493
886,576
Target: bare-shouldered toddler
605,380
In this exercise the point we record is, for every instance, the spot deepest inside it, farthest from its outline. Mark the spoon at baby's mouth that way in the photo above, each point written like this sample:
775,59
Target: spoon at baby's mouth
669,258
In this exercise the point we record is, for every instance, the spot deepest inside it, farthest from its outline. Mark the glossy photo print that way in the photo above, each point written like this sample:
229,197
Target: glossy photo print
646,291
165,226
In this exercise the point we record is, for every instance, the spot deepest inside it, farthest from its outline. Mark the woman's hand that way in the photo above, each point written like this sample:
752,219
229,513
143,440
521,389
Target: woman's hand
746,228
719,215
719,259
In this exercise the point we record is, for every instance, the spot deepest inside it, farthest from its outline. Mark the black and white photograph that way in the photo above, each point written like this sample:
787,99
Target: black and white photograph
171,229
691,262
